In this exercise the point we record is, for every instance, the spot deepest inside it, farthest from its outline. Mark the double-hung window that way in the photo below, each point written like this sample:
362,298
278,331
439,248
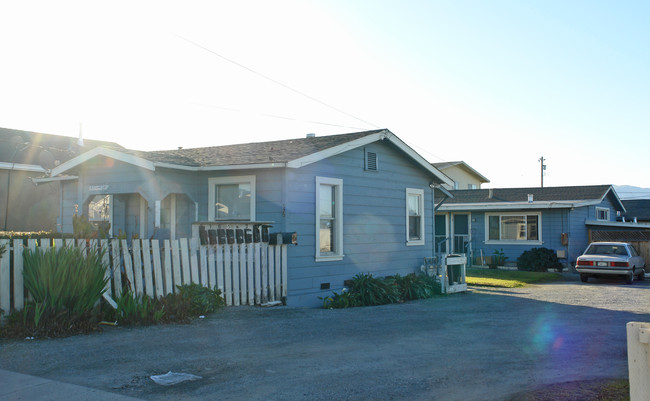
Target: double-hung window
513,227
231,198
602,214
414,216
329,219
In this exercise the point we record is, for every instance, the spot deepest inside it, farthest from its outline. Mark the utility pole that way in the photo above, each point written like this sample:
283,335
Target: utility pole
542,168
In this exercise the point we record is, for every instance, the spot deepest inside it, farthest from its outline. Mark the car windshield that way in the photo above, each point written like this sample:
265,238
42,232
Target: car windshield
600,249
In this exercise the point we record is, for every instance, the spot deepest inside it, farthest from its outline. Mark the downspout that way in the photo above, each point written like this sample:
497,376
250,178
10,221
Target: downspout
446,195
284,200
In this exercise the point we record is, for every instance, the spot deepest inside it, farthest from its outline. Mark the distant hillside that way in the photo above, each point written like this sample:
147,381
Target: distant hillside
632,192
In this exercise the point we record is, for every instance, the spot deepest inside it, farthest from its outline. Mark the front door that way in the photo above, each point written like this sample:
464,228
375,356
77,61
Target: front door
461,233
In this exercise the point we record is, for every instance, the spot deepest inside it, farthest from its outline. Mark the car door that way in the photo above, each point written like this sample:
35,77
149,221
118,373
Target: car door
636,259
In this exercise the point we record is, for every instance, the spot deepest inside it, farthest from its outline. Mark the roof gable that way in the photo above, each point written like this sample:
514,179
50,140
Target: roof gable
442,166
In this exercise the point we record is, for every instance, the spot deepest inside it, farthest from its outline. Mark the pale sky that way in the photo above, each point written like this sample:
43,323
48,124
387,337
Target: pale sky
497,84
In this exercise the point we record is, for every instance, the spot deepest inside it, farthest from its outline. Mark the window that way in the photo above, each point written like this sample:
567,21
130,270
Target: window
414,216
99,208
513,227
471,186
329,219
100,213
231,198
602,214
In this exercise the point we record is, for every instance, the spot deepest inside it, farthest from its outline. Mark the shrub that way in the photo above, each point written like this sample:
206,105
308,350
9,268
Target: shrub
66,279
370,290
498,259
538,260
191,300
366,290
341,300
414,286
65,285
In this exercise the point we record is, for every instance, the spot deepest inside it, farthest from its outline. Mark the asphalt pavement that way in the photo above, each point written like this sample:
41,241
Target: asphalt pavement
486,344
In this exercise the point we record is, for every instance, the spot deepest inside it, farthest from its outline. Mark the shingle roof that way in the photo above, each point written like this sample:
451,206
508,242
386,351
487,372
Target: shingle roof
547,194
250,153
25,147
639,208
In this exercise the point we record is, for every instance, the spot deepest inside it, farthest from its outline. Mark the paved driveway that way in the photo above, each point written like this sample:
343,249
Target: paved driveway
486,344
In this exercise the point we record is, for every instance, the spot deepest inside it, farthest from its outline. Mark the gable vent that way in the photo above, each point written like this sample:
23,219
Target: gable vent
371,161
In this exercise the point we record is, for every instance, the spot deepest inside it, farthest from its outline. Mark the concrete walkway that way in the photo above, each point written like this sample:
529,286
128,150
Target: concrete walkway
17,386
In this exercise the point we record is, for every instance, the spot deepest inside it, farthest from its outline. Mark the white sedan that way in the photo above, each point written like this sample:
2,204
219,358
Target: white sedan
610,258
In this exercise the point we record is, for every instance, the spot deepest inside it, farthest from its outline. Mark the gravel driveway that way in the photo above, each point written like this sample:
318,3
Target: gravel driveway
486,344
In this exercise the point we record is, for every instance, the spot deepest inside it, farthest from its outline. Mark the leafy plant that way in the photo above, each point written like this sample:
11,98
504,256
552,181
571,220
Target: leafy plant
203,300
498,259
341,300
136,309
370,290
64,279
366,290
414,286
538,260
3,249
190,301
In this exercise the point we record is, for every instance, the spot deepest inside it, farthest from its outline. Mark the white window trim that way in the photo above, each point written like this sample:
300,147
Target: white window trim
602,209
338,221
420,193
511,242
250,179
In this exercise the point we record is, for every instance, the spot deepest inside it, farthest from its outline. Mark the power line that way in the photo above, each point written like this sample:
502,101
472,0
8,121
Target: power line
274,81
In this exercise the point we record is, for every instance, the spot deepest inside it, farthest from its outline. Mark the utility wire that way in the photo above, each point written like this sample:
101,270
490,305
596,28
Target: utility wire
274,81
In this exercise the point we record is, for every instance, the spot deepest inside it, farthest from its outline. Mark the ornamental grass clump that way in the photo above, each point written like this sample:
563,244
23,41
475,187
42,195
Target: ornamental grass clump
366,290
65,285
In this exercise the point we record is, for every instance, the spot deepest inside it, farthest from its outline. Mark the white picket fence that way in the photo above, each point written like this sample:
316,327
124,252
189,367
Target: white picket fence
246,274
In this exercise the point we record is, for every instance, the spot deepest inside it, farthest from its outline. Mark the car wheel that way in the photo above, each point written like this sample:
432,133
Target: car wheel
629,279
584,278
641,275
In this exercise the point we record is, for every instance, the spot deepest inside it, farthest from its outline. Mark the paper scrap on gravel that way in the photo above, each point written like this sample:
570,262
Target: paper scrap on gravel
170,378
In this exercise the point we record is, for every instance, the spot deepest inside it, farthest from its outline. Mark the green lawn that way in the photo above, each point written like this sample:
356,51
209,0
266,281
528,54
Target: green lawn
507,278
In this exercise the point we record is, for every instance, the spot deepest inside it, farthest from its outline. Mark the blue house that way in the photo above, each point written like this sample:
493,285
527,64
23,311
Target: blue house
513,220
359,202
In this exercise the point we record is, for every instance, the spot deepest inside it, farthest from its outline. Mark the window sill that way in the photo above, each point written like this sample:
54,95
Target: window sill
415,243
332,258
514,242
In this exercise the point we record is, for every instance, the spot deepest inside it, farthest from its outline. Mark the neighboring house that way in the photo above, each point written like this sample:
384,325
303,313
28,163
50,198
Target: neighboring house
516,219
462,175
637,210
23,156
360,202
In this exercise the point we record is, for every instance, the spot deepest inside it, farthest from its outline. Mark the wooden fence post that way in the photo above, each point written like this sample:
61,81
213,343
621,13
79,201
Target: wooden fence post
5,278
